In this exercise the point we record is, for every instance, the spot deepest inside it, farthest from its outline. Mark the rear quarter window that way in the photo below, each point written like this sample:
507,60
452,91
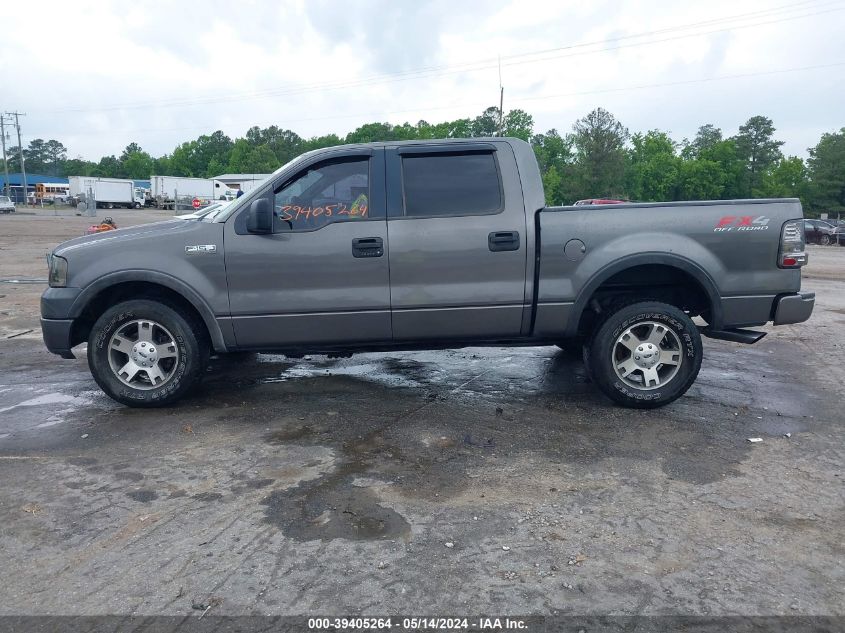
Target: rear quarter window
451,184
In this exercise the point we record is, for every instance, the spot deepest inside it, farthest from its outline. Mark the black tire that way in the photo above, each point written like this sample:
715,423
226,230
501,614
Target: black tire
825,240
190,339
572,347
685,347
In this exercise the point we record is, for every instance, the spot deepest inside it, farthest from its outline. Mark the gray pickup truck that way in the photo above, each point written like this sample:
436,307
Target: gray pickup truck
426,245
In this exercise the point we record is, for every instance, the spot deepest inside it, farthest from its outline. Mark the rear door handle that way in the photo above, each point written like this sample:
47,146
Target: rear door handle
367,247
503,241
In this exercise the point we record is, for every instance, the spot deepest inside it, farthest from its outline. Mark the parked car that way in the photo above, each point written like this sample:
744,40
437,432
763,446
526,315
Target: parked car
426,245
206,212
6,205
588,201
820,232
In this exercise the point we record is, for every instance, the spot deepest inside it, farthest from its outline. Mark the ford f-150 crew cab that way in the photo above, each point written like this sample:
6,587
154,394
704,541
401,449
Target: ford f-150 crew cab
426,245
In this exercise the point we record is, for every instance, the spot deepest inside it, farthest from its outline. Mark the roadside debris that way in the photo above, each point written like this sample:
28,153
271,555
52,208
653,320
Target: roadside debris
198,605
506,548
84,436
21,333
754,440
450,545
32,508
787,435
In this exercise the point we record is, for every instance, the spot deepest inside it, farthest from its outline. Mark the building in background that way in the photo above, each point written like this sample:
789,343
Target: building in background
16,192
244,182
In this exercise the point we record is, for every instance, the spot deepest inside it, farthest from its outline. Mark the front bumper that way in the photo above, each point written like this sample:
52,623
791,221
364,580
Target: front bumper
57,336
56,324
794,308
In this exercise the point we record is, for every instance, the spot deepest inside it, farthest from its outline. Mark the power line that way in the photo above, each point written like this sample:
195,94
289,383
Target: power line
455,106
517,59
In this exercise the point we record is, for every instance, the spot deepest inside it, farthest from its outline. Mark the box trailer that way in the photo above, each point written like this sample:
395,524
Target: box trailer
175,192
108,192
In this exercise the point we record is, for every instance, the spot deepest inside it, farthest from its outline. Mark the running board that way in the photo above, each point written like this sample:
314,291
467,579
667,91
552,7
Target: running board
735,335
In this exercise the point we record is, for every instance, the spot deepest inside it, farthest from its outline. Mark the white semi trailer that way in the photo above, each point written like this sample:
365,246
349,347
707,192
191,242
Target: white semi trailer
176,192
108,192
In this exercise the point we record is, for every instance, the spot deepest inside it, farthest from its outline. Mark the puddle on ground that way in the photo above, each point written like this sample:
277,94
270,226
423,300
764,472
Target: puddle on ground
142,496
48,399
333,508
376,371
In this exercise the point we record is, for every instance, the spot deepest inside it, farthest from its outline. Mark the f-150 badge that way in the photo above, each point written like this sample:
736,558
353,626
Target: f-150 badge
201,248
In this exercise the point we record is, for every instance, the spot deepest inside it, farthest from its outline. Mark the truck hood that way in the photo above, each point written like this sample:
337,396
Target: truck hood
118,235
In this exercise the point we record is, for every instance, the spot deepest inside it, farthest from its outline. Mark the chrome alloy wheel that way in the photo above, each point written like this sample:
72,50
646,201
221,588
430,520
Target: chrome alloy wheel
143,354
647,355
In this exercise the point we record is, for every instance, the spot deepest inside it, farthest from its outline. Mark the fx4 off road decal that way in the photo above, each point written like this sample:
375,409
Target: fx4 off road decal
731,223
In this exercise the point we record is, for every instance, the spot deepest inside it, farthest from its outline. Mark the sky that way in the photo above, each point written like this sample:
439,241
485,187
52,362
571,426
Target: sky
99,75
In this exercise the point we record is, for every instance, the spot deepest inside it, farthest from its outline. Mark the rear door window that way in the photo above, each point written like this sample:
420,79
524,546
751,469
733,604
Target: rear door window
451,184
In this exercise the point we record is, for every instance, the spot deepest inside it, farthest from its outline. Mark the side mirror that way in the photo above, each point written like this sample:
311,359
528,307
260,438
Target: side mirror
259,218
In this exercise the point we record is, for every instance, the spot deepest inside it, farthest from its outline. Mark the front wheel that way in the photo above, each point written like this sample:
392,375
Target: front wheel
645,355
824,240
143,353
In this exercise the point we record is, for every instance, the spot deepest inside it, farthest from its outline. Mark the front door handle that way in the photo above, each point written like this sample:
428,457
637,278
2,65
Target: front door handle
503,241
367,247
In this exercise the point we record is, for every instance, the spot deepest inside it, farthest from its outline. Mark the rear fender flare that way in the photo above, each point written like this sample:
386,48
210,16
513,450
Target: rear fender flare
639,259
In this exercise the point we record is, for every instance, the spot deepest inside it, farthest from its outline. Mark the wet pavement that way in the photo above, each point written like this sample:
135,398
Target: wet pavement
320,486
333,486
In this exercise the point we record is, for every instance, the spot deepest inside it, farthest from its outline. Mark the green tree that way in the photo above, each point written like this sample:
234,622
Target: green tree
487,123
285,144
756,145
132,148
554,157
599,142
78,167
706,138
246,159
787,179
519,124
652,172
108,167
55,154
700,179
137,165
826,167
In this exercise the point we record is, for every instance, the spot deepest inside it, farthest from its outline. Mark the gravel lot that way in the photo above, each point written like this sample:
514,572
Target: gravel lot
468,481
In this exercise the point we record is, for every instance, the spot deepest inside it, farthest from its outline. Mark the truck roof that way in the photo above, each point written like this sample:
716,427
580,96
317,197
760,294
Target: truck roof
529,171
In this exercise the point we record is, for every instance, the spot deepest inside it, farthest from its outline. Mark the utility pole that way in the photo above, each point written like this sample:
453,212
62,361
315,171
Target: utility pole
5,164
501,100
20,149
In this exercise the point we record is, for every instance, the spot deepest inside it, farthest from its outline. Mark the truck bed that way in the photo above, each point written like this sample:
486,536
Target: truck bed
729,248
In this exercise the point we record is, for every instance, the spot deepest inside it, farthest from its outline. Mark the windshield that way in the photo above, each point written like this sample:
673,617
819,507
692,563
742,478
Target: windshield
5,199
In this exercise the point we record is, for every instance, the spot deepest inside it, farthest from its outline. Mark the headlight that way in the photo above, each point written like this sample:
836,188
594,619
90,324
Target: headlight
58,272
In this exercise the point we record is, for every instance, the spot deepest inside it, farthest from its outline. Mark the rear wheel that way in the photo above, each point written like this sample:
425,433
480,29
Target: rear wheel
144,353
645,355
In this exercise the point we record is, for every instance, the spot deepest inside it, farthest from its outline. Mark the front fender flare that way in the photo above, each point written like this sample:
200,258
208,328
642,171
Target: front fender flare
154,277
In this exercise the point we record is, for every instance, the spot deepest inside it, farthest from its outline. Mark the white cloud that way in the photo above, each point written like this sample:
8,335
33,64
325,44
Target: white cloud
97,75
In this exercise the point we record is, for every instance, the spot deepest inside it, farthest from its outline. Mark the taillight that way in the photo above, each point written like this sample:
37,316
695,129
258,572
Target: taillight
791,253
